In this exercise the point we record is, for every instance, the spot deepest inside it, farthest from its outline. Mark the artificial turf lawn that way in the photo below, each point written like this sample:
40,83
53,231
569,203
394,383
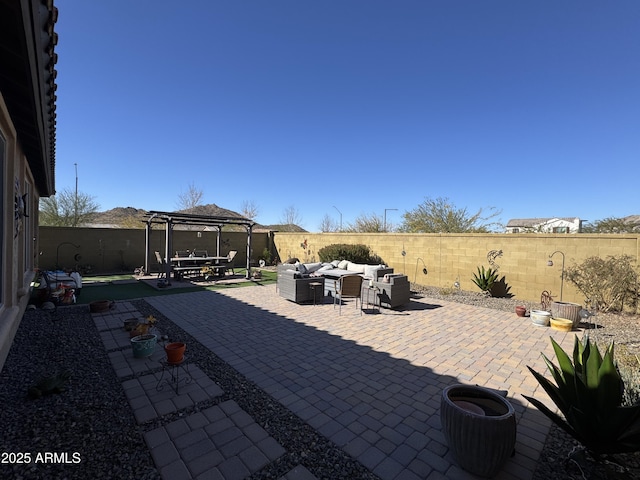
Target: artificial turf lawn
103,289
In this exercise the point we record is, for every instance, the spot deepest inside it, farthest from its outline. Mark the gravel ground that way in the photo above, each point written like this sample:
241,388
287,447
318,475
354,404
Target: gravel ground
93,420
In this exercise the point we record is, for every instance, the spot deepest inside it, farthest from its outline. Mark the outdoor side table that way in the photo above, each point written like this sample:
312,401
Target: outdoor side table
174,378
317,291
366,297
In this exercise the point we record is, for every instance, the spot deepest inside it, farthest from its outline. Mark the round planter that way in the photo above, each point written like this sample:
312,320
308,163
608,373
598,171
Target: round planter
175,351
562,324
540,318
99,306
479,426
521,311
130,324
144,345
567,310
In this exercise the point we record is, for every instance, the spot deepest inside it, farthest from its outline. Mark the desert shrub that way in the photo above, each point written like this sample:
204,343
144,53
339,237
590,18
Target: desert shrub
589,391
354,253
610,283
485,279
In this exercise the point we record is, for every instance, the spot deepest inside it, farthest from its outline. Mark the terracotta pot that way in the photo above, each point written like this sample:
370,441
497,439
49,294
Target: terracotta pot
521,311
479,426
175,351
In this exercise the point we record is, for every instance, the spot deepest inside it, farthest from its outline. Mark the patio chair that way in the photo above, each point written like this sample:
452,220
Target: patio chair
200,253
228,265
162,265
349,286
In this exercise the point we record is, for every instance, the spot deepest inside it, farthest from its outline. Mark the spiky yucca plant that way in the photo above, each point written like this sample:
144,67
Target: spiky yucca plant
589,392
485,279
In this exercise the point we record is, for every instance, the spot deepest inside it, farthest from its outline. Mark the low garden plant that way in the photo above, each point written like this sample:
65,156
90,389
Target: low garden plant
485,279
357,253
589,392
611,284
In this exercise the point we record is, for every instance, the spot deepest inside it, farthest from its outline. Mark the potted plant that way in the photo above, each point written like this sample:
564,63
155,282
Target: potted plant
142,328
175,351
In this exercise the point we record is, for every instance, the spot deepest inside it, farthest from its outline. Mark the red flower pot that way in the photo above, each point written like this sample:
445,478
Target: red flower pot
521,311
175,351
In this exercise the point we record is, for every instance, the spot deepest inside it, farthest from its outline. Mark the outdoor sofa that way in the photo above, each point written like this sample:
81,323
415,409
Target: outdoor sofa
294,278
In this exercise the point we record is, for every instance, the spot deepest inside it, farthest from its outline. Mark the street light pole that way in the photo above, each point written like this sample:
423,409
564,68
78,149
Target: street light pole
385,217
340,216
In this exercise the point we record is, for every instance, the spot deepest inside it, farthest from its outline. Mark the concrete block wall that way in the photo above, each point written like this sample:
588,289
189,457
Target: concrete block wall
455,257
122,249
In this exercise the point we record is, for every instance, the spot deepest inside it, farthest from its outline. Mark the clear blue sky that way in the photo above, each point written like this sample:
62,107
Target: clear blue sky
529,107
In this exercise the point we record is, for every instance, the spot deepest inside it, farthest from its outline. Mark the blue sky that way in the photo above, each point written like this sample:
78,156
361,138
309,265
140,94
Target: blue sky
354,106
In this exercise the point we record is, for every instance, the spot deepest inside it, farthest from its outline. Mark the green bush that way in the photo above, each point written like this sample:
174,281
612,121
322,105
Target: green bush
485,279
610,283
343,251
589,392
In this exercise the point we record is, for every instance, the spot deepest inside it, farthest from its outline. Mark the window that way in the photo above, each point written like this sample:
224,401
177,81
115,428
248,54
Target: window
560,229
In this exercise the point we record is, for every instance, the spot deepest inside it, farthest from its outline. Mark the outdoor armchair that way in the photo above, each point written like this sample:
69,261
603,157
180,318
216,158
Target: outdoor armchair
348,286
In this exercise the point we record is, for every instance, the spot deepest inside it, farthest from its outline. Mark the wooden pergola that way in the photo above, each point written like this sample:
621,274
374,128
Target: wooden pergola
171,219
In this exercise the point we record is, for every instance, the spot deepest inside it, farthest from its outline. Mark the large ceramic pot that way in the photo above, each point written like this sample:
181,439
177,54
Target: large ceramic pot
567,310
479,426
144,345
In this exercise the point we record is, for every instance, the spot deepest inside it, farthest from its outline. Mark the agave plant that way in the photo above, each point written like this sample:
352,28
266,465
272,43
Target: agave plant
589,393
485,279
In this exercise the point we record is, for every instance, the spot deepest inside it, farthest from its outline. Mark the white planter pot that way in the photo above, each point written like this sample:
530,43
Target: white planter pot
540,318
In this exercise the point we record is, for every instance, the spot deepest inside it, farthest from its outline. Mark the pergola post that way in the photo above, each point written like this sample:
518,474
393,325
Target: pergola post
168,249
147,248
248,275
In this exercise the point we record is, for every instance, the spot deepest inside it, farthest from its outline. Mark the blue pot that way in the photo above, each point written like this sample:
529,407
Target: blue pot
144,345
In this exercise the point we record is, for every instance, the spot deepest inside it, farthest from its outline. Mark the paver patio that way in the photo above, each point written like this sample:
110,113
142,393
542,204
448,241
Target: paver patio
371,383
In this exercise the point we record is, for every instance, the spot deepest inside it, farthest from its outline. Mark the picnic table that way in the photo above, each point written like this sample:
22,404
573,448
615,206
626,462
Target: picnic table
187,265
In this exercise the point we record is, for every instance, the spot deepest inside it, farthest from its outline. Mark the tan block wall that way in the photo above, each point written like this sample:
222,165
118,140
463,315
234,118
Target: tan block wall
451,257
122,250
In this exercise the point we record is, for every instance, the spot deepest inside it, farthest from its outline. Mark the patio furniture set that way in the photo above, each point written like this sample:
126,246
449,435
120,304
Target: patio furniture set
187,263
311,282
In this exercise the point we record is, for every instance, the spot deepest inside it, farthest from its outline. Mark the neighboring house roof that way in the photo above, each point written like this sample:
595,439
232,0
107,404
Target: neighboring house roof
28,82
534,222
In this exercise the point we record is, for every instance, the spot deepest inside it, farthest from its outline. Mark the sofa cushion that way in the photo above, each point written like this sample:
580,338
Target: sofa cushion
326,267
342,265
301,268
312,267
370,271
355,267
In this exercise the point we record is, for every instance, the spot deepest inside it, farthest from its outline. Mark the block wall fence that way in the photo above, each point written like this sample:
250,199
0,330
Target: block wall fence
110,250
455,257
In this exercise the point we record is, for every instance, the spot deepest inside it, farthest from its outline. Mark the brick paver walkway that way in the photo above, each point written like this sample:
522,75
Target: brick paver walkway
370,383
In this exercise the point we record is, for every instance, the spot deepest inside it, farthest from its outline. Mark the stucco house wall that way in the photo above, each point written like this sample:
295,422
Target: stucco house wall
27,147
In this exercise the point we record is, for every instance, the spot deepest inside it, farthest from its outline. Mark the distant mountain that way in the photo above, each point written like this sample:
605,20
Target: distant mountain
129,217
